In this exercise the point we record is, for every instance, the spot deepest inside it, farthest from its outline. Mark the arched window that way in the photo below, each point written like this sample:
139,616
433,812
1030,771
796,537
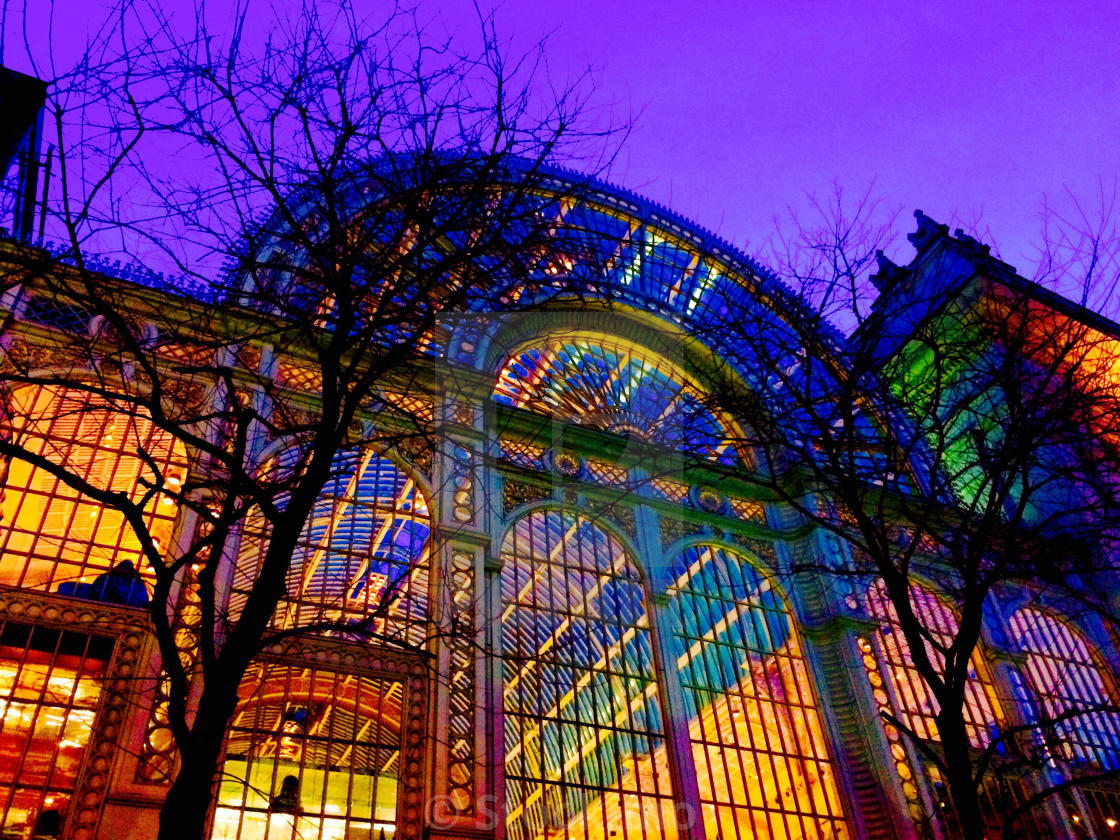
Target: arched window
52,537
1063,673
757,742
362,559
310,753
899,689
615,387
916,707
313,752
585,752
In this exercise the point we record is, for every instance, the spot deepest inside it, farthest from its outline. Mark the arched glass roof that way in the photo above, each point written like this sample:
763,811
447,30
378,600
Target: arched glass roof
565,238
611,245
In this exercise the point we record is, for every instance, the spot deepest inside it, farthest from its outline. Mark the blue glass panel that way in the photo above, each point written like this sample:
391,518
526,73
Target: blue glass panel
582,715
613,388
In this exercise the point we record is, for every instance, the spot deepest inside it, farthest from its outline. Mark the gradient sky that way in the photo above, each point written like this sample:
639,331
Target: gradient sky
978,110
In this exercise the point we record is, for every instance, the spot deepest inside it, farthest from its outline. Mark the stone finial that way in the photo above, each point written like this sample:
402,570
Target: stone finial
927,233
888,274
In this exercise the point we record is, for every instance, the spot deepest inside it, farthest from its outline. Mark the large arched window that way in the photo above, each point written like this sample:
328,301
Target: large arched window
585,753
51,536
899,689
313,752
616,387
915,706
362,559
757,742
1063,673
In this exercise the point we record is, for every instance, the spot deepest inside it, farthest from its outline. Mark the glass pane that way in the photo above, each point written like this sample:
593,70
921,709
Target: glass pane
584,738
51,537
1064,675
982,711
615,387
362,558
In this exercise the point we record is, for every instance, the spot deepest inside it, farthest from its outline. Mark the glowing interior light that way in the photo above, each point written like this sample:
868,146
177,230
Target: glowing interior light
749,724
1062,671
916,705
345,747
46,528
616,387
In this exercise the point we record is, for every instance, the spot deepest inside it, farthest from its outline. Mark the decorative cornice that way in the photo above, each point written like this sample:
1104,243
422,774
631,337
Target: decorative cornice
345,656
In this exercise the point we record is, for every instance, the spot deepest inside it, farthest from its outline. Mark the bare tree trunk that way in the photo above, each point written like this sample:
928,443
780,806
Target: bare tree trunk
959,777
186,811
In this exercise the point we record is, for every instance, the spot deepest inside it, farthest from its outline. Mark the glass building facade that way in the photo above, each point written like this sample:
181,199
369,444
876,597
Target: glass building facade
556,633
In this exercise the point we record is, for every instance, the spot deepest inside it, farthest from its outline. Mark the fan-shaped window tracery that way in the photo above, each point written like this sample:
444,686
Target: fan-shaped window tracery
585,753
615,387
53,537
1063,673
362,559
758,744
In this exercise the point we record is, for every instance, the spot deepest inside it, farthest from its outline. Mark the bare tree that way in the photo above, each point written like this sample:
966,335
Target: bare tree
327,196
963,433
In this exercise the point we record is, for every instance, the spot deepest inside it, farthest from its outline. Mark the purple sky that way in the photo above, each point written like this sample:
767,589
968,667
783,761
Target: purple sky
946,106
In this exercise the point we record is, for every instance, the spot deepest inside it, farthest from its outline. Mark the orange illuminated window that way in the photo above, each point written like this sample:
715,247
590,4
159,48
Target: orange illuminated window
52,537
50,685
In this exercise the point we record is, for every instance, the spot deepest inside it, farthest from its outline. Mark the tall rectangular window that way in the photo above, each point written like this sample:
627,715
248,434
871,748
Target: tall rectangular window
50,685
